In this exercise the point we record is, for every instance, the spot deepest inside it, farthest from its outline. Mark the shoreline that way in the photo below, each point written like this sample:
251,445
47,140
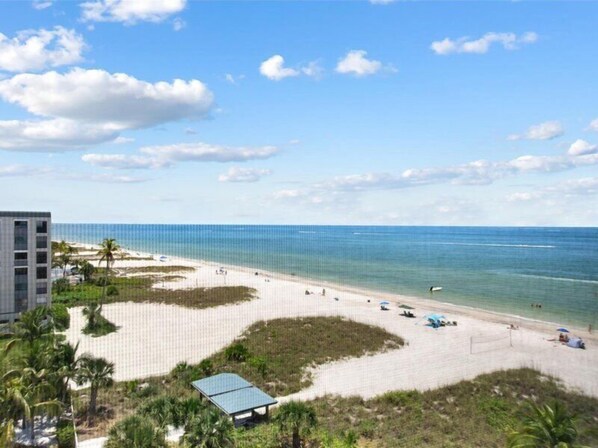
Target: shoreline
431,305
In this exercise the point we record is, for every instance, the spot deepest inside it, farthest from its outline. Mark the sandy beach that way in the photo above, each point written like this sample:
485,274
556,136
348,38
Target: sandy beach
153,338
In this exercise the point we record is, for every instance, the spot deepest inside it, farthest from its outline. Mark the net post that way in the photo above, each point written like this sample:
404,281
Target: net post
511,337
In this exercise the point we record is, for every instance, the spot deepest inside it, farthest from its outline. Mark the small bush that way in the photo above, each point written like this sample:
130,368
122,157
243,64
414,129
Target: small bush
206,367
61,286
112,290
102,281
260,364
61,316
65,435
236,352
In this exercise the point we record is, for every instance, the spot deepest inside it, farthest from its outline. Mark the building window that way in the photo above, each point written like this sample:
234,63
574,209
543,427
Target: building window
41,242
42,273
42,288
20,272
20,235
20,258
42,258
42,227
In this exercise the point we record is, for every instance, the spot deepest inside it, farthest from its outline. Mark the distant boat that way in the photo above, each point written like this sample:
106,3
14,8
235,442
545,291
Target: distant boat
435,288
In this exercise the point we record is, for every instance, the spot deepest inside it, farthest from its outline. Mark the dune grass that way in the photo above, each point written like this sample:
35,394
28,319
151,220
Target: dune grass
139,289
155,269
280,351
470,414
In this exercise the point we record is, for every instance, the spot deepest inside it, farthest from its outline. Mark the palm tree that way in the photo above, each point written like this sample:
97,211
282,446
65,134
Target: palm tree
109,249
98,373
298,418
34,325
135,432
93,313
86,269
549,426
209,429
64,364
25,396
64,257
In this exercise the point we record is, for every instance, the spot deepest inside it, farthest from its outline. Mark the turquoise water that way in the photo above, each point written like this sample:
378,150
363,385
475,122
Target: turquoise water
498,269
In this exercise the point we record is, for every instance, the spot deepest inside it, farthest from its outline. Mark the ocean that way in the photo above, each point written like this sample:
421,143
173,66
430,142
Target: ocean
502,269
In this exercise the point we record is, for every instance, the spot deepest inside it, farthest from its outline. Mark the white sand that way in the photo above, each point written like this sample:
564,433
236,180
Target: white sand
153,338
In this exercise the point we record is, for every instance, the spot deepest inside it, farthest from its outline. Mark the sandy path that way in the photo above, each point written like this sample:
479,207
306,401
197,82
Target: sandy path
153,338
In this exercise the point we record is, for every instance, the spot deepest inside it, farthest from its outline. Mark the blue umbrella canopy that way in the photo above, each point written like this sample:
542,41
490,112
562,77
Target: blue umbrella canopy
385,303
562,330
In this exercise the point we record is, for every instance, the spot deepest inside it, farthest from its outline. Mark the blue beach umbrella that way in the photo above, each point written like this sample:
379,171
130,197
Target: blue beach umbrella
562,330
385,303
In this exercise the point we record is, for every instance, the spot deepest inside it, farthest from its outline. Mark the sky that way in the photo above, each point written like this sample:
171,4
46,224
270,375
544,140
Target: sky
300,112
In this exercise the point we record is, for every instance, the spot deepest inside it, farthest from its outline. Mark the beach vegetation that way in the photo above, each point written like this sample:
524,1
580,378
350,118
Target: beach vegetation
86,269
98,373
548,425
64,256
97,325
61,286
208,429
236,352
296,418
141,289
276,355
135,432
60,315
166,269
65,434
36,365
109,250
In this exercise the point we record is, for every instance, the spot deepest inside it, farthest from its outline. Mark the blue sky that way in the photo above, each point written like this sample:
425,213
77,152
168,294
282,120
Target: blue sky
405,113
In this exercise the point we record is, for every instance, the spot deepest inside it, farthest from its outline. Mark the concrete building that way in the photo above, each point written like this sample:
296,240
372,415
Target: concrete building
25,262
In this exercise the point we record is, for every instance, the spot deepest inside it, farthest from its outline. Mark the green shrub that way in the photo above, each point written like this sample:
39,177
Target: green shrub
61,316
236,352
206,367
61,286
260,364
112,290
102,281
65,435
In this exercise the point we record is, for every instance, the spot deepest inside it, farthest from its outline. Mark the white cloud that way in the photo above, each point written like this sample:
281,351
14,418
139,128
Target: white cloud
382,2
238,174
204,152
130,11
313,70
178,24
232,79
20,171
120,140
593,125
115,101
581,148
543,131
273,68
480,172
355,62
124,162
39,49
41,4
574,187
110,178
51,135
509,41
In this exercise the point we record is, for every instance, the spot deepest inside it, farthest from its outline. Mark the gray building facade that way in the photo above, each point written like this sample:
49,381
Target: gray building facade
25,262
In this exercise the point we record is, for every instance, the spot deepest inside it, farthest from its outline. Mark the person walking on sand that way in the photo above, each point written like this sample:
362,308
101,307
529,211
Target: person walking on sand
323,292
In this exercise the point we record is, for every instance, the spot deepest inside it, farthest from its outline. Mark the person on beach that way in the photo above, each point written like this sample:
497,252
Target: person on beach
323,292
